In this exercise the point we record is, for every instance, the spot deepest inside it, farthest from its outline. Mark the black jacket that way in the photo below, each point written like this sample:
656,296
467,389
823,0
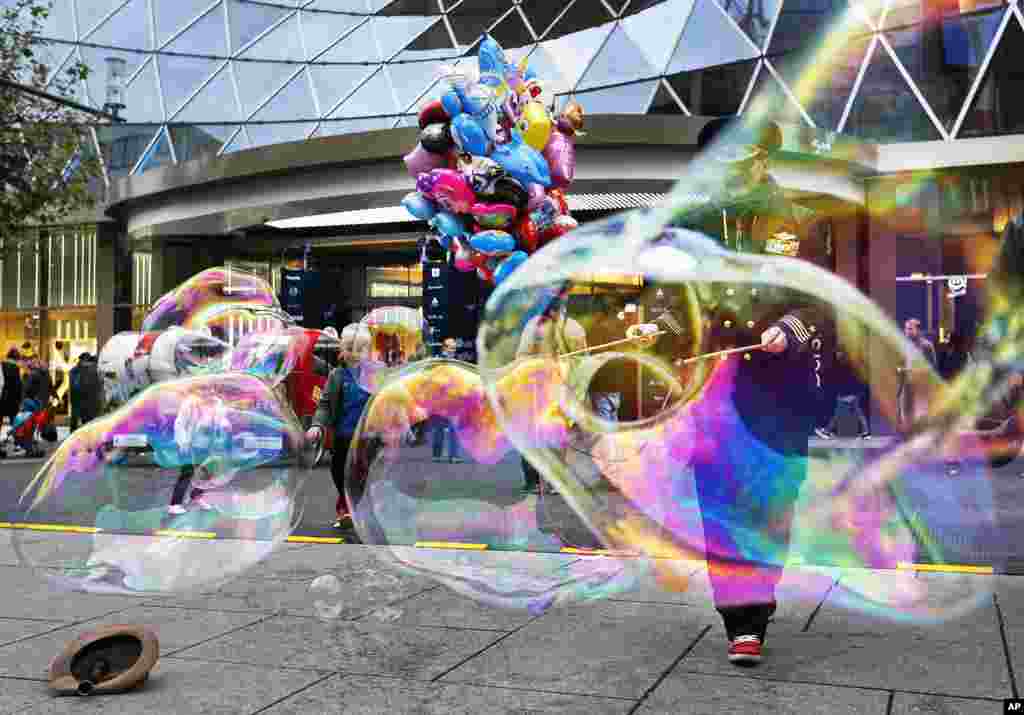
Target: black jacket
10,397
38,386
777,395
86,387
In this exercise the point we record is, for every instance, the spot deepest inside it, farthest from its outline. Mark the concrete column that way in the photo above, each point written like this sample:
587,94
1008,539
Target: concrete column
113,281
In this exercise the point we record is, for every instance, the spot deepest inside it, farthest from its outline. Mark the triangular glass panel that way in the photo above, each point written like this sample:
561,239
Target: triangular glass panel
293,102
433,93
411,7
664,102
193,141
249,20
768,97
903,13
624,99
996,108
433,44
753,16
944,58
215,101
142,97
625,9
560,63
409,121
708,40
121,145
60,23
63,84
259,80
92,13
411,79
581,15
512,32
541,13
885,109
266,134
283,43
103,71
657,31
373,98
355,7
354,126
180,76
239,142
172,17
158,154
823,89
394,33
130,27
208,34
333,82
472,17
323,29
803,23
359,46
714,91
374,6
620,60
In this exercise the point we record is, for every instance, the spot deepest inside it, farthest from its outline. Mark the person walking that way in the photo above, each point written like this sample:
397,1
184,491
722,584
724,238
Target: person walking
442,430
904,393
340,408
86,391
38,385
748,482
11,395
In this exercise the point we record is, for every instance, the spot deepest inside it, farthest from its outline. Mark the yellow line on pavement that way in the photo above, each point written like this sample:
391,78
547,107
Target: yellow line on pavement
951,568
49,527
182,534
450,545
315,540
599,552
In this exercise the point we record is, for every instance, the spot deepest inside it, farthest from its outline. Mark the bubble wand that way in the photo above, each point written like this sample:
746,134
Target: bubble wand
723,353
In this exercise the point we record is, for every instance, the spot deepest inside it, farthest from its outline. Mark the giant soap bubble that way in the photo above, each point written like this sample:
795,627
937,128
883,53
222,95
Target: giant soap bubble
463,488
712,464
187,485
214,286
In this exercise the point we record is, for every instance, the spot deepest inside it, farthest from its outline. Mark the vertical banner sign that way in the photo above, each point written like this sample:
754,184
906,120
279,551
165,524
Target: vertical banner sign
293,293
435,304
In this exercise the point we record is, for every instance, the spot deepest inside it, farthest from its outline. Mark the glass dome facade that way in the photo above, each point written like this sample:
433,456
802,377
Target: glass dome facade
200,76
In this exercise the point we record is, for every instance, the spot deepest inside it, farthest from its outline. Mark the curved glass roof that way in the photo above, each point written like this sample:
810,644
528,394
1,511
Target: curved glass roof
202,76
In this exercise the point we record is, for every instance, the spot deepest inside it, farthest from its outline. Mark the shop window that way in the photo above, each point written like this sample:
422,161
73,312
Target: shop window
394,281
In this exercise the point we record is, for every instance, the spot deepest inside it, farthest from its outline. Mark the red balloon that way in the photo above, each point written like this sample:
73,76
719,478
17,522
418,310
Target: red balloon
433,113
526,229
559,196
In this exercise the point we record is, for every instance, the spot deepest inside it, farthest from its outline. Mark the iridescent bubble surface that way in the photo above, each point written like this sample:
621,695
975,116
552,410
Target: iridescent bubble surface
184,487
204,290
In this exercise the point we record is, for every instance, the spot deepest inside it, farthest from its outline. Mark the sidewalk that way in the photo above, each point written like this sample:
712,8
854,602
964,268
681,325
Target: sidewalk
404,644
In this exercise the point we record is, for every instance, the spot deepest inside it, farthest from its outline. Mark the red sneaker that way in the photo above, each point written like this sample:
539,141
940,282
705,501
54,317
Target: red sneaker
745,650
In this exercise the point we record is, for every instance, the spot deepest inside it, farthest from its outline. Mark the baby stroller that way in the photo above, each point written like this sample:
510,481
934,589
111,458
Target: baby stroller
33,418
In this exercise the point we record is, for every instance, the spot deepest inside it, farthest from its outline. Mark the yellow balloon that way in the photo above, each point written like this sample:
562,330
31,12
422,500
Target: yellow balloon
535,125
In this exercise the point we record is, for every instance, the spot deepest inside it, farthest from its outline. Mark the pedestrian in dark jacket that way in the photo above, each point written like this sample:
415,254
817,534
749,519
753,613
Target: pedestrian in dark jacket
86,391
749,483
38,385
10,396
340,409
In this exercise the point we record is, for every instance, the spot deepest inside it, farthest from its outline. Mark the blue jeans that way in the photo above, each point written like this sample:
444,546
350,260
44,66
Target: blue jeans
441,429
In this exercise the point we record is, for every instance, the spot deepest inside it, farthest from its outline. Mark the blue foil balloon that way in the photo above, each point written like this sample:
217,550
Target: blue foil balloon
470,136
448,224
419,206
522,162
508,265
493,243
492,62
451,103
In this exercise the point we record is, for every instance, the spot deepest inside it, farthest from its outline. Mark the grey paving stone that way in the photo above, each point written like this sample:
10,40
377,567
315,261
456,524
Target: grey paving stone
18,696
691,693
358,695
12,629
945,606
25,594
443,607
900,660
606,648
911,704
306,562
364,647
190,687
175,628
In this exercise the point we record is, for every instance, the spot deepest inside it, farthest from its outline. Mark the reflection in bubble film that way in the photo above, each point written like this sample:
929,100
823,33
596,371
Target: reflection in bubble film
184,461
204,290
706,452
274,354
464,484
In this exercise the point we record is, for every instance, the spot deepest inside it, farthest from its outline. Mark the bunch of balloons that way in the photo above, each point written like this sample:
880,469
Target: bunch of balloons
492,164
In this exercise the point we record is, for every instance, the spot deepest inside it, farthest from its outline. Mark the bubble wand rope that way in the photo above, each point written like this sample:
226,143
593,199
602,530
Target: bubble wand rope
722,353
